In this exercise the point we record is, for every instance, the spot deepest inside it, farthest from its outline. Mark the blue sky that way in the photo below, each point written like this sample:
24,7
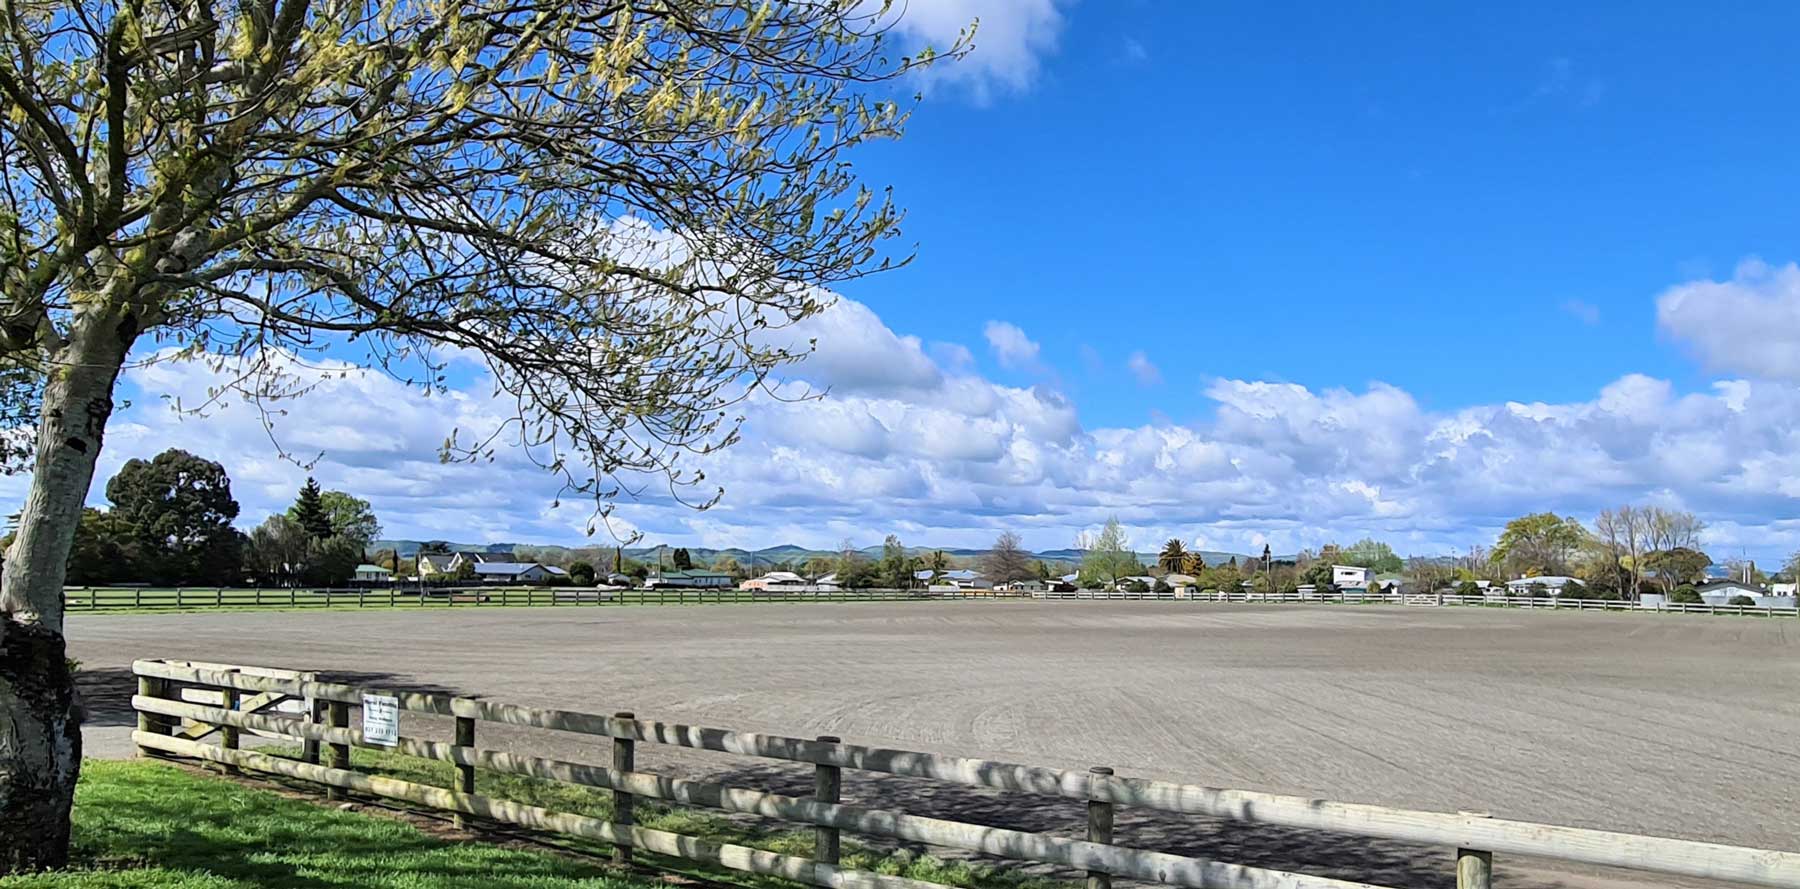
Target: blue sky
1237,190
1238,274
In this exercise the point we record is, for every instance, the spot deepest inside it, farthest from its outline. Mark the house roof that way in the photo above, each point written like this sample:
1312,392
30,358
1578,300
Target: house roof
690,573
365,569
509,567
782,577
1712,585
962,574
1548,580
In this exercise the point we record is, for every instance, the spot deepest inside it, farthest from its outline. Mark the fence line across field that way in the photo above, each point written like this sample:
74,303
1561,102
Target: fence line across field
164,687
79,599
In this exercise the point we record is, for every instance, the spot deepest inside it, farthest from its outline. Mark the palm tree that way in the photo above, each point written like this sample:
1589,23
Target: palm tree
1174,556
938,563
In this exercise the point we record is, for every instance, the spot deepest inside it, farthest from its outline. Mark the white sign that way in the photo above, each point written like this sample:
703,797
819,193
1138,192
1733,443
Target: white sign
381,720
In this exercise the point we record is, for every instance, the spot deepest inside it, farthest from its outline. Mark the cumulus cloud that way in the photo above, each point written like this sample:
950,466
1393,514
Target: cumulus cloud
1749,324
1010,42
1010,344
1146,371
906,443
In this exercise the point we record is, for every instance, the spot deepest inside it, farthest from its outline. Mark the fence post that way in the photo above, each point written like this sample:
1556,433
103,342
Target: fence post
315,715
340,753
1099,827
1474,868
624,760
827,783
148,723
465,774
228,734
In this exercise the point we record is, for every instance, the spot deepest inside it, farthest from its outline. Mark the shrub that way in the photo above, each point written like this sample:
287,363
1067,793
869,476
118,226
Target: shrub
1740,599
581,573
1162,586
1686,595
1468,588
1135,586
1599,593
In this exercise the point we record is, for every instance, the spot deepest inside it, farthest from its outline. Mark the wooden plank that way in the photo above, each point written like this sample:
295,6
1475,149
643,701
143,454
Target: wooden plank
741,858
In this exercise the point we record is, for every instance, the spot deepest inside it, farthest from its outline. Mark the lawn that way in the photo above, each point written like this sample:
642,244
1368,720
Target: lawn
148,825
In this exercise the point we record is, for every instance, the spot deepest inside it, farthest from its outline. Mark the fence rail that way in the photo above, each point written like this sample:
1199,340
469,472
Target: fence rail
133,598
97,599
160,704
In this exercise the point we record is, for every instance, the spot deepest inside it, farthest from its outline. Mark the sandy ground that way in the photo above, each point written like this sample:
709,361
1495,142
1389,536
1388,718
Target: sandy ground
1670,725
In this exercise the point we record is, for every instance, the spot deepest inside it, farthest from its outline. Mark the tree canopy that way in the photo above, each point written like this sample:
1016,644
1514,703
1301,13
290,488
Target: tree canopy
1541,543
1107,556
179,510
1007,561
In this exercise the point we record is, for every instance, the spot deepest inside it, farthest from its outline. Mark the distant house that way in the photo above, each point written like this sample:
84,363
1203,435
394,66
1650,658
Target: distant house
829,583
448,564
1349,577
372,574
1023,586
1783,589
965,579
775,581
1180,581
519,572
1554,584
689,580
1721,592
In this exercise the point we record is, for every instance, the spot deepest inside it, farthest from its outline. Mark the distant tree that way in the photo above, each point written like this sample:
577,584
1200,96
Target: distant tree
386,558
1541,543
465,570
1318,573
102,552
435,548
860,574
938,563
1468,588
333,560
1007,561
1108,555
895,569
1174,557
1740,599
350,517
1685,594
309,511
581,573
179,508
727,564
1677,566
681,559
1372,554
1429,573
820,566
278,551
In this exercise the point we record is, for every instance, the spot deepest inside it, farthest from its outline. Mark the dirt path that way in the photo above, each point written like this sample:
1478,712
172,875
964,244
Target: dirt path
1670,725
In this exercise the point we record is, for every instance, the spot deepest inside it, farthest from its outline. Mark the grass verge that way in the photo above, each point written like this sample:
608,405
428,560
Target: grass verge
144,825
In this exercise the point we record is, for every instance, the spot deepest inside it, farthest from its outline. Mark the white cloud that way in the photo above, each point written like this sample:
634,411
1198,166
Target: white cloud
1010,42
1010,344
905,443
1749,324
1146,371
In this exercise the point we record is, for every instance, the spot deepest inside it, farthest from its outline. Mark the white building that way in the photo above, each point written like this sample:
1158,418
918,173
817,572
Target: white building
366,573
1349,576
1554,584
519,572
775,580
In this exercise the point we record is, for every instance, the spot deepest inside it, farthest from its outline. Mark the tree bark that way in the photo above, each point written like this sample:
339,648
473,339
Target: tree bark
40,723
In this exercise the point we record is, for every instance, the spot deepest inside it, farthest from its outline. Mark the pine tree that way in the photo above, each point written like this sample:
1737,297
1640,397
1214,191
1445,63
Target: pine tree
309,511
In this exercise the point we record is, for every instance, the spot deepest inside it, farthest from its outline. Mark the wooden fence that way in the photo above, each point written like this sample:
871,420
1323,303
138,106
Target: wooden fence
163,710
1548,603
79,599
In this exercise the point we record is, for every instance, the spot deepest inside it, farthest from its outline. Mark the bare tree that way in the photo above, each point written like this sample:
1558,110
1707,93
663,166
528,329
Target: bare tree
614,207
1008,561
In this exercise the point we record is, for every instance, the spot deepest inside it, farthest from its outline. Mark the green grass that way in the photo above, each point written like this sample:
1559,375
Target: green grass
142,825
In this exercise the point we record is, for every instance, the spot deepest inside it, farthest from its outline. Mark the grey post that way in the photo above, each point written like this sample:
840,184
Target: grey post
1099,829
340,753
465,774
827,785
624,760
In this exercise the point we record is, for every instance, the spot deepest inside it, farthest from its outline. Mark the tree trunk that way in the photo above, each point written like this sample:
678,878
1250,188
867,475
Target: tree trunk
40,724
